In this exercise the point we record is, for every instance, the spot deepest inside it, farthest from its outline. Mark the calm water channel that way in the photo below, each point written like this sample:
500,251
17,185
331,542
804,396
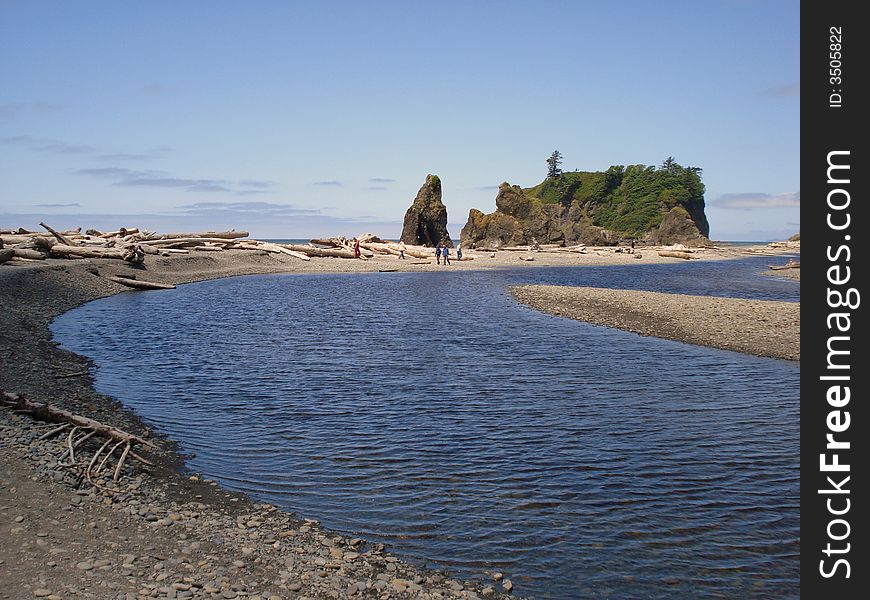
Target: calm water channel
432,412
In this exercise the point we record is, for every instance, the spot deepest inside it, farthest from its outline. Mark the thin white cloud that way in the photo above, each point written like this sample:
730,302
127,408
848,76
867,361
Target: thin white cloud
155,89
330,182
13,109
46,145
123,156
123,177
749,201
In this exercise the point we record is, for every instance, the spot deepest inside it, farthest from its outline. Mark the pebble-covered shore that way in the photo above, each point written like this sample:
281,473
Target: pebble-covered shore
759,327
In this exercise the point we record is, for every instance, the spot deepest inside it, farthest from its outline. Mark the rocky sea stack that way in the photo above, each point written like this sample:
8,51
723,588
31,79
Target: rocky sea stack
425,221
639,203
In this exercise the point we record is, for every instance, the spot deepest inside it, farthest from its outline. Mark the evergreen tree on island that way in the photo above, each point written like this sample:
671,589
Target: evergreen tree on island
553,164
670,165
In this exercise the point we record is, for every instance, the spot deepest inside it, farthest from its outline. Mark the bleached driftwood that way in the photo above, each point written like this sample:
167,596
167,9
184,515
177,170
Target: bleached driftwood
312,251
675,254
141,285
221,235
87,427
27,253
279,249
65,251
792,264
61,238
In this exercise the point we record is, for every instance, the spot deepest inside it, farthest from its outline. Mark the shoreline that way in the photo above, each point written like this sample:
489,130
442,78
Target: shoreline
172,514
758,327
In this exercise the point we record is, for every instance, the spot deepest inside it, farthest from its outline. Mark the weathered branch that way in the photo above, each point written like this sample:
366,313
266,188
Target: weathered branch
61,238
50,412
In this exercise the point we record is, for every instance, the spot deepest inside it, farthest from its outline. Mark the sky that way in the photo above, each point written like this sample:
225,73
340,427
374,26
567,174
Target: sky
297,119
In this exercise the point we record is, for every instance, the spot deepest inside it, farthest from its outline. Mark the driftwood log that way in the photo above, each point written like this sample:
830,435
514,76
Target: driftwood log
27,253
189,241
141,285
221,235
676,254
61,238
86,428
279,249
65,251
312,251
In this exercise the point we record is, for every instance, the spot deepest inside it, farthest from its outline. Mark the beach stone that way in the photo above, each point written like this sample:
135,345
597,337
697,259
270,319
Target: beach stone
41,593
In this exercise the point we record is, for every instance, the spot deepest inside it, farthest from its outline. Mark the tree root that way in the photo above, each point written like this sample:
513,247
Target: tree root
89,428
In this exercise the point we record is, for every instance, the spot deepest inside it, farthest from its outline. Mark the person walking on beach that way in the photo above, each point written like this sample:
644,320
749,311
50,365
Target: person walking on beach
459,251
446,253
438,253
355,248
402,250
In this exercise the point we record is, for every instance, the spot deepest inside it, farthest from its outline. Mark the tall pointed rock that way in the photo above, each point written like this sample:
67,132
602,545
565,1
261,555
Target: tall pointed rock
426,220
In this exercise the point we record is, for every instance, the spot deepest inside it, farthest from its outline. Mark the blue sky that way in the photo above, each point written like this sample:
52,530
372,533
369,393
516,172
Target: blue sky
310,118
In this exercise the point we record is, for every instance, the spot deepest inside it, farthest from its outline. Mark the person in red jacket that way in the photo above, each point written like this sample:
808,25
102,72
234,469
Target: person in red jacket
355,248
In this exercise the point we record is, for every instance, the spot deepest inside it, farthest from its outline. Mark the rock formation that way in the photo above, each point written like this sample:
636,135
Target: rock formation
426,220
638,203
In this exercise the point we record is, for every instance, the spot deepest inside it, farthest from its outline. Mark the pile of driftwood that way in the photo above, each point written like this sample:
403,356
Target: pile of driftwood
576,249
371,244
133,244
790,244
791,264
76,430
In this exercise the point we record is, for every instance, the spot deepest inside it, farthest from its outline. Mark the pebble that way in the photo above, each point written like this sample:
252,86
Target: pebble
41,592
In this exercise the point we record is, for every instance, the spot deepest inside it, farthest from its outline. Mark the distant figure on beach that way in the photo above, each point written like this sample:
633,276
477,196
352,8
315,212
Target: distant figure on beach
438,253
402,250
355,248
459,251
446,253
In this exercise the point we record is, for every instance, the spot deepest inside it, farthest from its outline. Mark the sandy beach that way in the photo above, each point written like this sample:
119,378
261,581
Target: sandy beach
171,535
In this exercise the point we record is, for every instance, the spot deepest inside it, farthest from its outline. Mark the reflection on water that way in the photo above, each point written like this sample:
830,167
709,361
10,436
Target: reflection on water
432,412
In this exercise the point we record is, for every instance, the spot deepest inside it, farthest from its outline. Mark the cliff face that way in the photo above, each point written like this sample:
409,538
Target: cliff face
425,221
655,206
